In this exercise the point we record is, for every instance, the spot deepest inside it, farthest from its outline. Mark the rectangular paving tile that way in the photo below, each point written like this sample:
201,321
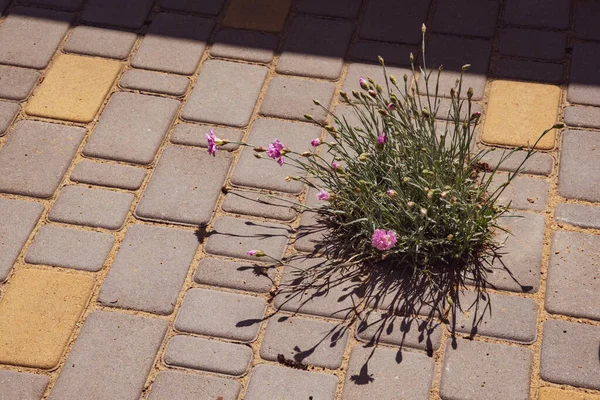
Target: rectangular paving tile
356,70
184,186
294,135
81,205
70,248
586,26
221,314
394,21
538,163
582,116
392,53
573,285
8,112
233,88
70,5
16,83
156,82
30,36
131,14
579,173
149,269
17,220
183,386
551,393
111,357
101,42
384,374
523,193
208,355
36,156
74,88
301,57
569,354
260,15
39,310
195,135
174,43
260,205
478,370
210,7
272,382
532,43
538,13
111,175
247,276
456,17
244,45
583,81
331,8
233,237
132,128
529,70
22,385
578,215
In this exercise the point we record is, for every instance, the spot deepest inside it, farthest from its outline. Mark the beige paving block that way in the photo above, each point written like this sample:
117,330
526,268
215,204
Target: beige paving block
38,312
74,88
519,112
560,394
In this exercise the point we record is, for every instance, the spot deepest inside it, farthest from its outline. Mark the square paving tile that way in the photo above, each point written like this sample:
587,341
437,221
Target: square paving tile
101,42
579,173
394,21
573,286
36,156
244,45
16,83
247,276
182,386
583,80
22,385
457,17
519,112
74,88
131,14
260,15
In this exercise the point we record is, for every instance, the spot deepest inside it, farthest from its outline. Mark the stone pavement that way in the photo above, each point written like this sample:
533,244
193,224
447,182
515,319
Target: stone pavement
108,289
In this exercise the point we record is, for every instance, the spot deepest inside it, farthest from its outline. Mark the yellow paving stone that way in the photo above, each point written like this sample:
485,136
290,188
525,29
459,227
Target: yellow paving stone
38,312
262,15
74,88
560,394
518,113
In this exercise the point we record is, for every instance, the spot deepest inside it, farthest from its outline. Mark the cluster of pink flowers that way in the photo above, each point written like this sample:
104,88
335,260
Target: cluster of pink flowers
382,240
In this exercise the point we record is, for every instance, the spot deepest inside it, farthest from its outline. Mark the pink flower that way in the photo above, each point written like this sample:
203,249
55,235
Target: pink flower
256,253
382,138
363,83
383,240
212,146
276,151
391,193
323,195
315,142
391,106
335,165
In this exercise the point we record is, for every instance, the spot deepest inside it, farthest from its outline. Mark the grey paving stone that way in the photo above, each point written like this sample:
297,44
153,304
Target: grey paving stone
582,116
80,205
8,112
131,14
538,13
16,83
112,356
208,355
583,80
518,263
30,36
477,370
304,340
332,8
505,317
399,331
532,43
35,157
538,164
17,220
272,382
569,354
578,214
238,87
453,53
184,186
181,386
292,98
579,173
156,82
131,128
333,298
458,17
573,285
111,175
294,135
247,276
149,269
259,205
102,42
523,193
233,237
529,70
70,5
392,53
174,43
70,248
22,385
221,314
386,374
394,21
586,26
3,4
310,233
211,7
195,135
244,45
301,57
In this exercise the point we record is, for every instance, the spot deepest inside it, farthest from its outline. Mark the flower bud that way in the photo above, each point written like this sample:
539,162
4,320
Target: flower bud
259,149
356,94
257,155
475,115
423,28
309,117
363,156
393,80
363,83
470,92
411,57
317,102
406,179
372,93
378,88
423,211
380,59
391,193
410,204
559,125
465,67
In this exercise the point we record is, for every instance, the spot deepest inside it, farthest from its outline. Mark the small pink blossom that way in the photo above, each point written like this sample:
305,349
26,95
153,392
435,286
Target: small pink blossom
323,195
383,240
276,151
391,106
315,142
335,165
391,193
363,83
255,253
212,146
382,138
